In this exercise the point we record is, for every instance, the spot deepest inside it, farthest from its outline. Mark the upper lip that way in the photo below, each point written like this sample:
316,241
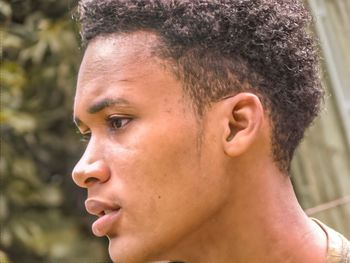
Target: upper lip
98,207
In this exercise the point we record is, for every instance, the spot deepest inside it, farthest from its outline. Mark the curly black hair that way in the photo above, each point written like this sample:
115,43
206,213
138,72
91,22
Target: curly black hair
222,47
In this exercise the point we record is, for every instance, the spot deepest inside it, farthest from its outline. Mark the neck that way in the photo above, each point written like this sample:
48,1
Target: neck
262,222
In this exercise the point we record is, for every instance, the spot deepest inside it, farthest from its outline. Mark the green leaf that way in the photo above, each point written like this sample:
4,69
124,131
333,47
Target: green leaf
5,11
21,122
12,75
3,257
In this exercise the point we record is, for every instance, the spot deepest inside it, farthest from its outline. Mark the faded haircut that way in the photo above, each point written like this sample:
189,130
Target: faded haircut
223,47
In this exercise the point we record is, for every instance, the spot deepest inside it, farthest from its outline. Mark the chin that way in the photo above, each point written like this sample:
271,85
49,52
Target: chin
126,251
134,247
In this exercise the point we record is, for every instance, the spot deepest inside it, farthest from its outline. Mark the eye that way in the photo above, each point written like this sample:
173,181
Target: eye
117,122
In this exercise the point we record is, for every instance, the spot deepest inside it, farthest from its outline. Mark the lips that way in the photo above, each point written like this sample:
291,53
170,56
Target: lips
107,212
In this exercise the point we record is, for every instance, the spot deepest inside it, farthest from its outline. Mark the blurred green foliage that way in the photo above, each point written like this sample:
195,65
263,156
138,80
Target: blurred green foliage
41,211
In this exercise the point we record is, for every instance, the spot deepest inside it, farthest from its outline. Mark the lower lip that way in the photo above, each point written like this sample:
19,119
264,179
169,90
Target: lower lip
104,224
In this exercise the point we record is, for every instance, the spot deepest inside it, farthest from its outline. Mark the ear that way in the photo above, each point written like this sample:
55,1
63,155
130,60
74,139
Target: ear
243,122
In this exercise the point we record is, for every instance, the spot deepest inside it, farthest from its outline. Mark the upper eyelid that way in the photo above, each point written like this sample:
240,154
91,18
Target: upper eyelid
112,117
81,127
85,132
118,116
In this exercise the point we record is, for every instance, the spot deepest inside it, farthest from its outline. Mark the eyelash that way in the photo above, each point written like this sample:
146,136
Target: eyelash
115,123
85,137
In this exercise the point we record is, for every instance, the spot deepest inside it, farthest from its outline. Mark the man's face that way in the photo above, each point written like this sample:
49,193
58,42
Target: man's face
149,159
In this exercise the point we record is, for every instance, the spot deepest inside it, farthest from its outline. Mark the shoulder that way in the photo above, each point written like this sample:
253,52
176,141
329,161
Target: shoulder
338,247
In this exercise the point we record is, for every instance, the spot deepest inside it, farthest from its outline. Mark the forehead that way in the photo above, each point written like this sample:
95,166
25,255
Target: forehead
122,53
125,66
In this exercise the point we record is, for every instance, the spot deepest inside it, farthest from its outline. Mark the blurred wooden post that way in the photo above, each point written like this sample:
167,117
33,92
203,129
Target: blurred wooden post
321,167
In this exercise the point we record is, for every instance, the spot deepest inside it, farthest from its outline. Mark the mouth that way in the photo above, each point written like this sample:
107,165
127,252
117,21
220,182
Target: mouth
106,212
108,215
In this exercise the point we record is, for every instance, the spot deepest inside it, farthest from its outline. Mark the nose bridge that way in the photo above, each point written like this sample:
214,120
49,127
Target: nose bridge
92,167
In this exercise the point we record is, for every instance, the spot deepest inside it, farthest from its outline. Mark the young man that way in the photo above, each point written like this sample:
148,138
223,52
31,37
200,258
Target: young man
193,110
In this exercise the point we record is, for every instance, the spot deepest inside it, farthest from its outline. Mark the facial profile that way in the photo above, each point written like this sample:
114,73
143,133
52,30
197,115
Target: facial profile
146,175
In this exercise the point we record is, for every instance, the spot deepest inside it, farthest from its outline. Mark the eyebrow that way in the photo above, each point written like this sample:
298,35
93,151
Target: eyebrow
105,103
100,105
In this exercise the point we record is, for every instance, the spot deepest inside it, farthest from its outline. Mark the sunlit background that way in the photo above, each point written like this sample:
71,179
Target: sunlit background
42,217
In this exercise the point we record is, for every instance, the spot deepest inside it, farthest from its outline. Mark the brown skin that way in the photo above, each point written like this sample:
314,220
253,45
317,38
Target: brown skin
190,189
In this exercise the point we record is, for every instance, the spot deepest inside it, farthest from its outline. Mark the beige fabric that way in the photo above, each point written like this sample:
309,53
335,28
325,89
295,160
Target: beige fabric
338,247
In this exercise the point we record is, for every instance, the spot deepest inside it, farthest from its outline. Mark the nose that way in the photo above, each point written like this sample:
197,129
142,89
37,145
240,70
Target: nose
88,171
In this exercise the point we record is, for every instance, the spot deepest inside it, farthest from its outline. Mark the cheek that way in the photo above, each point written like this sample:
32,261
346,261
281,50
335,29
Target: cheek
150,167
153,169
165,178
163,182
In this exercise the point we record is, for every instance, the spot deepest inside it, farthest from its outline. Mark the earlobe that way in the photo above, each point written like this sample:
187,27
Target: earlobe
244,120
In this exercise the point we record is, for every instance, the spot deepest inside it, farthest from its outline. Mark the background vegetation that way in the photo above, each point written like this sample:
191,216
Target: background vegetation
40,208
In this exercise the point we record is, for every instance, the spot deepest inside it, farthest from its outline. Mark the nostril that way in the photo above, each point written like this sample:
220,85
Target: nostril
91,180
